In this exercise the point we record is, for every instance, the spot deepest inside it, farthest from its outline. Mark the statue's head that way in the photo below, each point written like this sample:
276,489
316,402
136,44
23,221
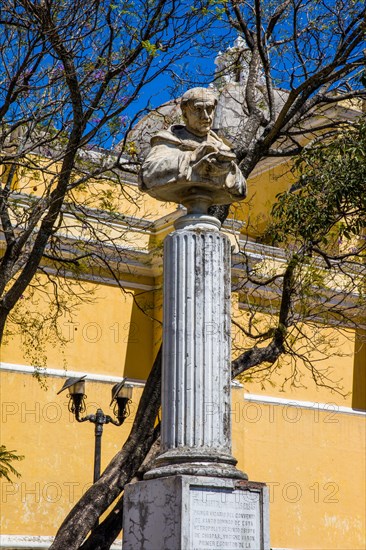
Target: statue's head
198,109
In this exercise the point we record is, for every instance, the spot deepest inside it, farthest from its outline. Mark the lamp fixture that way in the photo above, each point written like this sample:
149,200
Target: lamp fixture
121,399
76,387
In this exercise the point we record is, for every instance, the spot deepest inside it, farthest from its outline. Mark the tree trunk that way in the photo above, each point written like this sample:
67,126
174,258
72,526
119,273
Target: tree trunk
3,316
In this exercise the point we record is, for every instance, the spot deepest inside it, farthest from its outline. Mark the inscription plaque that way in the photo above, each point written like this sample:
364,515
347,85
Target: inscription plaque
224,519
196,513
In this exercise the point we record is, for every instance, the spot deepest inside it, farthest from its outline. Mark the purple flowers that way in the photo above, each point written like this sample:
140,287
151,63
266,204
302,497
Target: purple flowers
57,70
123,120
99,75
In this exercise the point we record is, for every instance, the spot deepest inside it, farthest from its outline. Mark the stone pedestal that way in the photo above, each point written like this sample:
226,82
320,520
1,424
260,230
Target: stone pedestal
196,513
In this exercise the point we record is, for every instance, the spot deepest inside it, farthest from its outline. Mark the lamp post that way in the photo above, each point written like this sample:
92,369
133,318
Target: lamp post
121,398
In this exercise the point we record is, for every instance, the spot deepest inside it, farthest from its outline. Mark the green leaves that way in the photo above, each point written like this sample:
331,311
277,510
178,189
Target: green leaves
328,203
151,49
6,458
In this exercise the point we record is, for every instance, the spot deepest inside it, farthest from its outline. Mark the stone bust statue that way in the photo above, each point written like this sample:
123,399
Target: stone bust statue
190,164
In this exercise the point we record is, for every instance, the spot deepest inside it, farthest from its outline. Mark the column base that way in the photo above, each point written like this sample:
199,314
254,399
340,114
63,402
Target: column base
195,513
197,462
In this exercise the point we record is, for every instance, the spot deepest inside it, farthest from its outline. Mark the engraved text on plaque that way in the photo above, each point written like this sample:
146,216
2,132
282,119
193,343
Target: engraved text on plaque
224,519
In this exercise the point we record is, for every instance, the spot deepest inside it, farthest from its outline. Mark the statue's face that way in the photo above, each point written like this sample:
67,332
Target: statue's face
198,116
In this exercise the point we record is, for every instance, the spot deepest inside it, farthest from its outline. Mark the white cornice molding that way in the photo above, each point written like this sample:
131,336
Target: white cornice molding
334,323
126,222
130,261
62,373
166,222
329,408
108,281
263,250
115,219
90,376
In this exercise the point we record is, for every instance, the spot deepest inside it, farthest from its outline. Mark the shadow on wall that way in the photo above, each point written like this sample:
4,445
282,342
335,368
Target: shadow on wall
359,372
139,337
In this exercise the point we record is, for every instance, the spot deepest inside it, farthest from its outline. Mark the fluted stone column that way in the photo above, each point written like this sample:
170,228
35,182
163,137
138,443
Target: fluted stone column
196,396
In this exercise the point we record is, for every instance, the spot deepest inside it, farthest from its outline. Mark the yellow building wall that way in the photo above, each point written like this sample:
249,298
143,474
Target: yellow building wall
339,370
263,186
313,462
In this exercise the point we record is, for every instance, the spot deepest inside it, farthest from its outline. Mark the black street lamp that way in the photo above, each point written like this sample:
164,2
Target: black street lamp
121,397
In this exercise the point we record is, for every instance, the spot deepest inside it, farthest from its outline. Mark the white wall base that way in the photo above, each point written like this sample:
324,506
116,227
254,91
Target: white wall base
29,542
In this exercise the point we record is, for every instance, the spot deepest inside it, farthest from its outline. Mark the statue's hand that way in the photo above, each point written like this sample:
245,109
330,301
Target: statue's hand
212,165
202,151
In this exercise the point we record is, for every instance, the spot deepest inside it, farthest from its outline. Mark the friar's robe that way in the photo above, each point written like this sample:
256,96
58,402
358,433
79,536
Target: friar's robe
170,160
